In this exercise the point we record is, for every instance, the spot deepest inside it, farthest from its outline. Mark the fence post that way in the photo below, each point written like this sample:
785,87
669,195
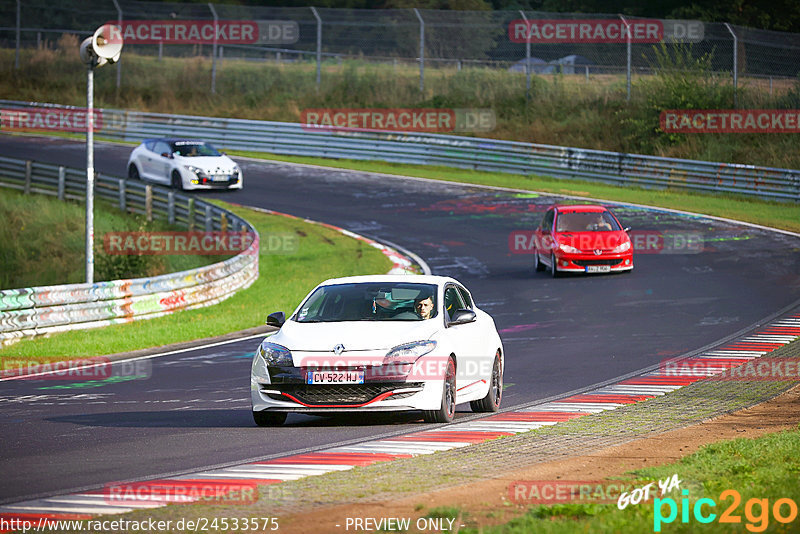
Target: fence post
148,202
214,50
527,61
19,23
122,199
160,50
209,220
319,45
421,51
28,169
223,222
171,207
119,23
628,68
190,215
62,182
735,65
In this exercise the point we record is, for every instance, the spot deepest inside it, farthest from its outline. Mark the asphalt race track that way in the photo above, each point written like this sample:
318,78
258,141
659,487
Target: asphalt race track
191,410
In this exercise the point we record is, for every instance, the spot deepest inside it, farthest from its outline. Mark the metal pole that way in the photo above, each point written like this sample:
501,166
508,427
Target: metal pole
735,65
421,51
214,50
90,174
628,69
319,44
527,62
19,22
119,23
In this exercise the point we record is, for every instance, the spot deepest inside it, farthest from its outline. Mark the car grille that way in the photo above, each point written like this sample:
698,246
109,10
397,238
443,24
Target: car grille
322,394
585,263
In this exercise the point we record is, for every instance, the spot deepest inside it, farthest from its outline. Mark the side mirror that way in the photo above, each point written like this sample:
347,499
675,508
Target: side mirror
626,229
276,319
166,155
462,316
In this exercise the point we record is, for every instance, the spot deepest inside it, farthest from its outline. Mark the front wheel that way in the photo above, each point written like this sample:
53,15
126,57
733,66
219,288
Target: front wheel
266,418
553,266
491,402
447,409
177,181
133,172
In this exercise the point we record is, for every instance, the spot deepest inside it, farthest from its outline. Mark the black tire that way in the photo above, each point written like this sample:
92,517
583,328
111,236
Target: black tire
133,172
176,182
537,264
553,266
266,418
491,402
447,410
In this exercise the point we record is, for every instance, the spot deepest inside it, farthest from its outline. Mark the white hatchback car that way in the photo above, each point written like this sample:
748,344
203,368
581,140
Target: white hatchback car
184,164
379,343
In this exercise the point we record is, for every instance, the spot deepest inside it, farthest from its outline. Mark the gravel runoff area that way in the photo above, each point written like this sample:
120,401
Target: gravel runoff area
402,478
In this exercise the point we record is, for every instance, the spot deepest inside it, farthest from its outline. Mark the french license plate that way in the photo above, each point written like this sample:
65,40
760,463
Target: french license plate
220,177
598,268
335,377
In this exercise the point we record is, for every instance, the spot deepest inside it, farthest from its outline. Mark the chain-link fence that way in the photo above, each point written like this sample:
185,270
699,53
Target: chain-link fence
528,42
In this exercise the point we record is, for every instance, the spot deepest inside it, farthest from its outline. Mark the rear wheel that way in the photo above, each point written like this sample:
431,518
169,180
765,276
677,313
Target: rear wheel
491,402
133,172
265,418
447,410
177,181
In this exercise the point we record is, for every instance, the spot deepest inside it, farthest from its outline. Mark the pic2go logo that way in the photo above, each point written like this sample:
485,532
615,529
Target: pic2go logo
756,511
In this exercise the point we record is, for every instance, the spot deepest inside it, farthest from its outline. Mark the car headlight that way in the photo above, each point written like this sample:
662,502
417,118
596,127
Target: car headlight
275,355
622,247
568,249
196,170
409,352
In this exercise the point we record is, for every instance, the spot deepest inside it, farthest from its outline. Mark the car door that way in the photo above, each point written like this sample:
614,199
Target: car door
465,339
161,164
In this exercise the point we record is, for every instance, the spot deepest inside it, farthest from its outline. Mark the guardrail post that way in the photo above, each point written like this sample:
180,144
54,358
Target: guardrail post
223,222
148,202
28,169
171,207
190,215
62,182
209,220
319,45
122,192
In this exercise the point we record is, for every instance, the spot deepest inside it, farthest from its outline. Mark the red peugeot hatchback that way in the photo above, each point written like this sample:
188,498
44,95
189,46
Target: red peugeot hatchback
582,239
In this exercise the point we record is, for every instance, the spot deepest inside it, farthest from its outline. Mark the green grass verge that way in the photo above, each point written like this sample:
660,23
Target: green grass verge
43,243
761,468
783,215
284,279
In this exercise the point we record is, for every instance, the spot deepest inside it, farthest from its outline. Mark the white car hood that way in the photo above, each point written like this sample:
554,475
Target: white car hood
210,164
367,336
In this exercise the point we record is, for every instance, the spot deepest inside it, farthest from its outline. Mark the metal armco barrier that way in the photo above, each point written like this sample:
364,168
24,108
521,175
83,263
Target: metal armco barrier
452,151
456,151
33,311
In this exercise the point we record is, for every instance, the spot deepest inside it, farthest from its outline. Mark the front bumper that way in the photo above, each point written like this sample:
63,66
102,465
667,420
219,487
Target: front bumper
583,263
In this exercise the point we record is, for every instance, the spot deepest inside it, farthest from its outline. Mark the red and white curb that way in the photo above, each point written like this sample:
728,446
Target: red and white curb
628,391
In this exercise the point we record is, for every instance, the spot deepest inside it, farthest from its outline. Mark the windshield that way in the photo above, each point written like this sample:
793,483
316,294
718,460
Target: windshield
190,149
369,302
582,221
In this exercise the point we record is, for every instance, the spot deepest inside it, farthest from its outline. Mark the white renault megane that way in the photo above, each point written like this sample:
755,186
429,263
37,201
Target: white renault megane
387,343
184,164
